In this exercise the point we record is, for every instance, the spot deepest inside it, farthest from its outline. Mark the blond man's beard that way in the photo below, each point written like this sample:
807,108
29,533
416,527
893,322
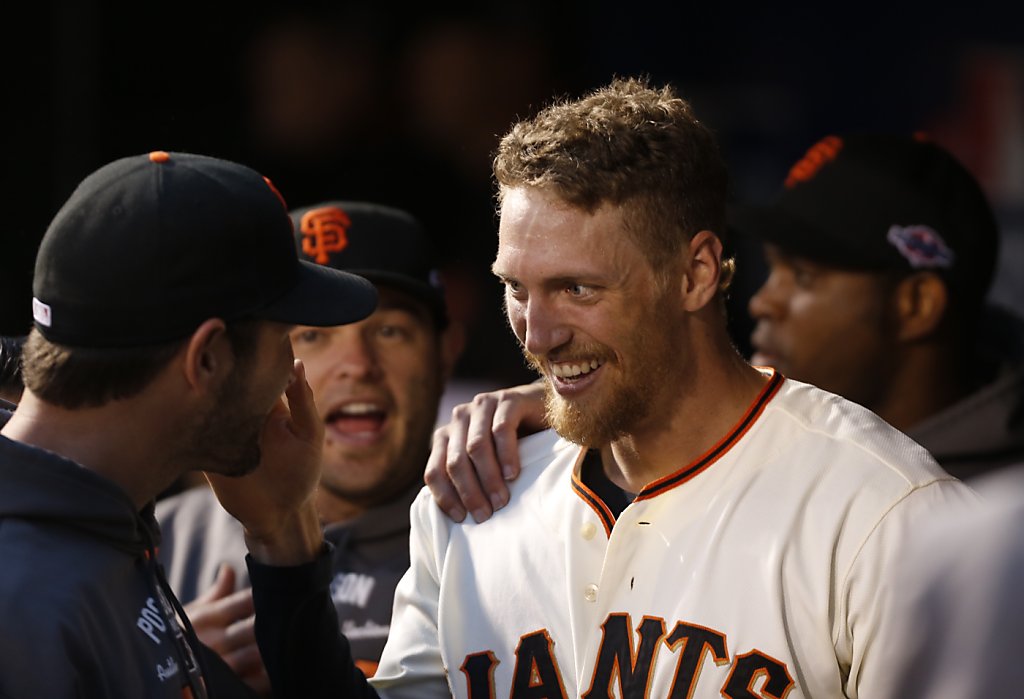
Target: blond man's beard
599,421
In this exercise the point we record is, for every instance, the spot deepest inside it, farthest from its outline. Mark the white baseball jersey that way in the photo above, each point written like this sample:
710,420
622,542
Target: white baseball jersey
748,573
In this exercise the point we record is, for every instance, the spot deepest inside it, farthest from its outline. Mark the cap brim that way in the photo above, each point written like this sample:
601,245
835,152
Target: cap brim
429,296
323,297
798,238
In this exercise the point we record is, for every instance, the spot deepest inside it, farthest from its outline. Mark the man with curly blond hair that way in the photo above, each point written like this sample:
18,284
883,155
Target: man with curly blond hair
692,526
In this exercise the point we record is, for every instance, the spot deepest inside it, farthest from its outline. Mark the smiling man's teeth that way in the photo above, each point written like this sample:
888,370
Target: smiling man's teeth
360,409
572,370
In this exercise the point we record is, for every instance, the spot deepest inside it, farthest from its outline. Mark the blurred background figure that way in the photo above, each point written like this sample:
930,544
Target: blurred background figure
881,251
316,106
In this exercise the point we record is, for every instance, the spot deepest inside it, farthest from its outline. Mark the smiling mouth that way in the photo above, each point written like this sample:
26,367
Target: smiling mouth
573,371
357,419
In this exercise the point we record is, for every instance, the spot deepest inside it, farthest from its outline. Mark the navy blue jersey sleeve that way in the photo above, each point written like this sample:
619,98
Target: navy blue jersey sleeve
305,653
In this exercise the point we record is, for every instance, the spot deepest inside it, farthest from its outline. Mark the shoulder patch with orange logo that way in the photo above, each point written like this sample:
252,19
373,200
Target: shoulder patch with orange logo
324,231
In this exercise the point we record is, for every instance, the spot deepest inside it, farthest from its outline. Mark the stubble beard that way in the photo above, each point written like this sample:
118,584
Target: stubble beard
227,439
595,424
624,397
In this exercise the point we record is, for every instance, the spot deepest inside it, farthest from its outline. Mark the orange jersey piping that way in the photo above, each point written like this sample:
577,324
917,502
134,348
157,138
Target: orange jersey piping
716,452
596,504
605,514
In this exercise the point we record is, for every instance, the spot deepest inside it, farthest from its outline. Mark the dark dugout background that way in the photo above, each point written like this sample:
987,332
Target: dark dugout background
367,100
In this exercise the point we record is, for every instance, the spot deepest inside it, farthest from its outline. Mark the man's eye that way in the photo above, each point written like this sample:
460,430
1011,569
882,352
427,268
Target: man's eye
803,276
513,288
306,336
580,291
392,331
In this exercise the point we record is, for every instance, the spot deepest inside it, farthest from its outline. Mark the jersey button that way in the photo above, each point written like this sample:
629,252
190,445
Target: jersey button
590,592
588,530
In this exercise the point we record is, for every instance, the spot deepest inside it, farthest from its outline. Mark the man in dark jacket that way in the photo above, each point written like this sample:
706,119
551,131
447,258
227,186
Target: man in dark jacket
164,293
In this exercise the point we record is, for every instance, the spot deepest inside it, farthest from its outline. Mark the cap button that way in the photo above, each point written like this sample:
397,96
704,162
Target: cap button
159,156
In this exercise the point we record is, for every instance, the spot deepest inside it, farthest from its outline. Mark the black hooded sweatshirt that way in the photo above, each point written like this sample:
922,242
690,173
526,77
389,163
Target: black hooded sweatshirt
84,608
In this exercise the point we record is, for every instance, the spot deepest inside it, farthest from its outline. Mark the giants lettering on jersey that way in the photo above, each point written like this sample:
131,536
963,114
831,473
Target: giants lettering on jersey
626,663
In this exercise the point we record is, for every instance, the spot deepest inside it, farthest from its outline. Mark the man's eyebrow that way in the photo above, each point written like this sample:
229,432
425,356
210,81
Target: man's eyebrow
409,306
402,301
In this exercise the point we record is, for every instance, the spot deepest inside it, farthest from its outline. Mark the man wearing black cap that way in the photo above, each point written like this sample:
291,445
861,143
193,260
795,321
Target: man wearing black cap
376,384
165,290
881,250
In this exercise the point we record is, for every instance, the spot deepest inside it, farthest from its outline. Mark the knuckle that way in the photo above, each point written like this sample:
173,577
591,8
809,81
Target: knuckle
432,476
451,464
444,500
476,445
503,421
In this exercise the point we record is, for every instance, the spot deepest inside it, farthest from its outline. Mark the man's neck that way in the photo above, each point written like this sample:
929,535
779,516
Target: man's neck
928,383
701,416
336,508
111,440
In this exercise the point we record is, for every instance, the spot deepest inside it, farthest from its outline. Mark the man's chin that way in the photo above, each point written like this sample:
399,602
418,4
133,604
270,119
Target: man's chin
235,472
578,425
237,468
244,470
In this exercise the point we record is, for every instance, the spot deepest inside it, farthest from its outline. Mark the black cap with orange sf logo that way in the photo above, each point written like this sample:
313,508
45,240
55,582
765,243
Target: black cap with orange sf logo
882,202
148,247
384,244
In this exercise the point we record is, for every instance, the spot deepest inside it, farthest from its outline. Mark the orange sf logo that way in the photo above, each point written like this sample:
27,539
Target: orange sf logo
820,153
323,232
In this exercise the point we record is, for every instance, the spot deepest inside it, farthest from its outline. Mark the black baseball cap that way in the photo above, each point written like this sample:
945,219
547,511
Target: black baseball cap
384,244
149,246
882,202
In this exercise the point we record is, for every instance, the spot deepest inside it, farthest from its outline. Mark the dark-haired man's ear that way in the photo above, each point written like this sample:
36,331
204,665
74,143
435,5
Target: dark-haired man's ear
207,355
921,303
